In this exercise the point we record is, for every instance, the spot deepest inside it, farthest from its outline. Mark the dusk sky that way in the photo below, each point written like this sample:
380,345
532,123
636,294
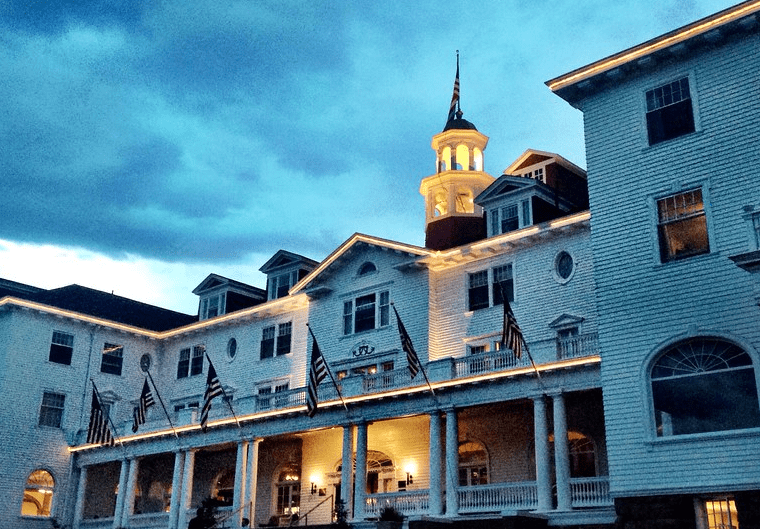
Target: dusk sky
148,144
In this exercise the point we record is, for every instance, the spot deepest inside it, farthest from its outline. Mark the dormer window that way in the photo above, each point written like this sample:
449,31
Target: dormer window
511,217
213,305
280,285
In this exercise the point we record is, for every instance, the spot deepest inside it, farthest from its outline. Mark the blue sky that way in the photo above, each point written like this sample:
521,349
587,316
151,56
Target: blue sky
148,144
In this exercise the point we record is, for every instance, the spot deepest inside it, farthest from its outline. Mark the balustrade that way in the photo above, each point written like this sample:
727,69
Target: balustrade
498,497
590,492
407,503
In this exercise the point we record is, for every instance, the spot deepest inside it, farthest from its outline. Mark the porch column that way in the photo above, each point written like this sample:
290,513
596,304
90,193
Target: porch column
251,475
347,466
79,505
541,434
187,488
561,454
129,497
238,492
436,486
360,490
121,492
452,463
179,461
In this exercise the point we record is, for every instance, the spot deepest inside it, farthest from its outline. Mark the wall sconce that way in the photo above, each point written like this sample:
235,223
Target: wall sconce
313,488
409,469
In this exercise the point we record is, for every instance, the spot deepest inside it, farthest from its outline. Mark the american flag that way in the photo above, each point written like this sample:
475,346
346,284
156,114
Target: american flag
145,402
455,95
317,373
511,335
406,344
213,389
98,431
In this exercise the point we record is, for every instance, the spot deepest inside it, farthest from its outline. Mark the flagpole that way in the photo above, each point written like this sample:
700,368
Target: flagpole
113,426
507,307
224,397
424,373
329,372
166,412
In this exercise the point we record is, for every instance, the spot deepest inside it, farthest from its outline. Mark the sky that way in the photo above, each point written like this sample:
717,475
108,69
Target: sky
147,144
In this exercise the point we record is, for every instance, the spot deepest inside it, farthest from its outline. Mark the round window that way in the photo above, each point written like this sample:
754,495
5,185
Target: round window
145,362
564,266
232,348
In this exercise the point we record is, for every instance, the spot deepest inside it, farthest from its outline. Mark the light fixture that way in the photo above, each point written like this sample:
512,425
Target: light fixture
410,468
409,478
313,488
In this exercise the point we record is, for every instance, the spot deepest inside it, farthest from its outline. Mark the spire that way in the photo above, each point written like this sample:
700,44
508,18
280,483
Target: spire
454,107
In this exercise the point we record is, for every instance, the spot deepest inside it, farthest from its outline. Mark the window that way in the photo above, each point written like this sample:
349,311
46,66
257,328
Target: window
280,285
38,494
510,218
718,513
61,348
682,226
473,466
367,312
276,339
669,111
113,356
231,348
289,490
367,268
51,410
478,287
704,385
213,306
564,266
191,365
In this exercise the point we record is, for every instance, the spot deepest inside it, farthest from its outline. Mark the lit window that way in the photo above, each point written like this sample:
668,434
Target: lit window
38,494
720,513
113,356
669,111
61,348
704,385
367,312
51,410
682,226
473,464
289,490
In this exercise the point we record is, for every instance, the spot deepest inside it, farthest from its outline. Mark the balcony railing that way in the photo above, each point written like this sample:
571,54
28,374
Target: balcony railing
497,497
578,346
407,503
590,492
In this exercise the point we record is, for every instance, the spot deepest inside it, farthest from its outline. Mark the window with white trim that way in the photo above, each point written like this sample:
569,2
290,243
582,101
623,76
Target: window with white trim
212,306
473,464
38,494
51,409
191,361
112,359
669,111
704,385
366,312
276,339
280,285
61,348
682,226
265,394
511,217
480,296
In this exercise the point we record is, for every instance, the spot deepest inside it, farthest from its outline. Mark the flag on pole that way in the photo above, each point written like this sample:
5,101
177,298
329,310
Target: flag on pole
455,95
317,373
145,402
511,335
213,389
406,344
98,431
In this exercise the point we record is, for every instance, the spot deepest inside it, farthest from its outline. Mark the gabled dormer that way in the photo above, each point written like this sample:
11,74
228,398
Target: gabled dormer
284,270
220,295
539,186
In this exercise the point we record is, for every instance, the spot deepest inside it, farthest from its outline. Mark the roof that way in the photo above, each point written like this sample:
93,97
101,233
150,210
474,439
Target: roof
532,156
283,259
458,124
19,290
111,307
215,280
569,85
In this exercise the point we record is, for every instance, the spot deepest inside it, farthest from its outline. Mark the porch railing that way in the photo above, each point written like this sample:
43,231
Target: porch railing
487,362
590,492
497,497
407,503
578,346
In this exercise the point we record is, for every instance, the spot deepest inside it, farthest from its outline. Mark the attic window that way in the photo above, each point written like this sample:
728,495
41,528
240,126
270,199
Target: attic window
367,268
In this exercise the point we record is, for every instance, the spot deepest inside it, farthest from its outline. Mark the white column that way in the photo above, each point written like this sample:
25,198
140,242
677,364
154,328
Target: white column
81,489
179,462
240,481
452,463
360,490
561,454
436,485
541,433
251,475
120,494
347,468
129,497
187,488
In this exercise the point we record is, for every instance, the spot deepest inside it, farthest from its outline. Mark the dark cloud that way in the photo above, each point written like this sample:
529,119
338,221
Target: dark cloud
55,16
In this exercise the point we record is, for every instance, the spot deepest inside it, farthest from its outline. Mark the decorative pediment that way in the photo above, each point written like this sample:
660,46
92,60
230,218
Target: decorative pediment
286,259
505,185
566,320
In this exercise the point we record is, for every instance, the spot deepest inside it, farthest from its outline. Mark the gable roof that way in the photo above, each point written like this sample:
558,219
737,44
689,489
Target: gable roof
215,280
284,258
533,156
356,240
507,184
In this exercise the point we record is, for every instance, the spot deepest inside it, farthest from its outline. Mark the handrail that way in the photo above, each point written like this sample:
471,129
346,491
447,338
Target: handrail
305,517
226,517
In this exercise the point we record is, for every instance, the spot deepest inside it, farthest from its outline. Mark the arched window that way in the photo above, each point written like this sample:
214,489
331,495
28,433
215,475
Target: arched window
288,487
440,203
704,385
445,159
477,160
38,494
464,199
380,471
473,464
463,157
582,455
367,268
224,486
